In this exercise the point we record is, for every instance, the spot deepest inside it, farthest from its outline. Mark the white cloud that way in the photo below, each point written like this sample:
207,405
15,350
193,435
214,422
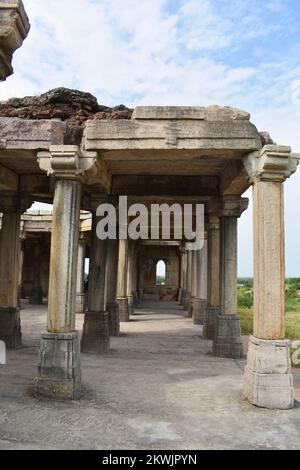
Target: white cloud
151,52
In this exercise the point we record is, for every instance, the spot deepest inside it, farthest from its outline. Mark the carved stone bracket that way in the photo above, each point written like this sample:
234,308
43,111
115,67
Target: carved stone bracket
13,202
14,27
272,163
68,162
234,206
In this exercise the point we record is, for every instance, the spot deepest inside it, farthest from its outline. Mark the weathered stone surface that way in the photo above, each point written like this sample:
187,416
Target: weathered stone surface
227,339
210,319
200,306
268,381
14,27
10,327
123,309
95,334
59,373
211,113
113,318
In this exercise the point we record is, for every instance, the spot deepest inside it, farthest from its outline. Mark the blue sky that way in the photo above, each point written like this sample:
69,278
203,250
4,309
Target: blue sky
176,52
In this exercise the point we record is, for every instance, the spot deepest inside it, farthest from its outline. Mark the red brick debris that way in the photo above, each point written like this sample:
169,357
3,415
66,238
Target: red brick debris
73,106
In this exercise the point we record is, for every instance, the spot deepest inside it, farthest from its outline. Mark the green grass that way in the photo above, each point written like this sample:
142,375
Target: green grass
292,323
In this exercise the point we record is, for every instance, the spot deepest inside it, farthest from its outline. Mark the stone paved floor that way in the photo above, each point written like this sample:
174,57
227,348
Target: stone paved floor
158,388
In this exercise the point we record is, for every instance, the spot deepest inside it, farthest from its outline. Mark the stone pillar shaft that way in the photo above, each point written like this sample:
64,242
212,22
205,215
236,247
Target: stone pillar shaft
80,295
10,327
95,334
112,274
227,339
268,381
269,260
213,294
200,303
64,256
122,280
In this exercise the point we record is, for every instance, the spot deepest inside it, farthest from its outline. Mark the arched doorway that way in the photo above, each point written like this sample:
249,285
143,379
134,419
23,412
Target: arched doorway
161,273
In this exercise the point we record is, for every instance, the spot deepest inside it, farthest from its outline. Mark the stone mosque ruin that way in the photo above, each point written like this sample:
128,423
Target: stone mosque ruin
65,149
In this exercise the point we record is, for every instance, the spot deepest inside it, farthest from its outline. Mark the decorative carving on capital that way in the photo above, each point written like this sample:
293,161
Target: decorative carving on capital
14,27
273,163
68,162
234,206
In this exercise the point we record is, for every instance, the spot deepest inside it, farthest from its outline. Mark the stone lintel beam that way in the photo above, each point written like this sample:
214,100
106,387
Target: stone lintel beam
14,27
234,206
172,134
273,163
234,179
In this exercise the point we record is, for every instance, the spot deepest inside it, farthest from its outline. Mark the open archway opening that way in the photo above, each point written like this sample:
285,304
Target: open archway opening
161,273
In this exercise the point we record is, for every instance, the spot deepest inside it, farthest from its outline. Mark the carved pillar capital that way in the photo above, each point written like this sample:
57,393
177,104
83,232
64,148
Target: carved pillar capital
14,27
234,206
68,162
273,163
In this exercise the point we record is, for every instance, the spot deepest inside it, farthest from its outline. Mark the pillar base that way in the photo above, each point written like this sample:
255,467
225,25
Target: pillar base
268,382
113,318
95,334
123,308
131,304
191,308
209,326
182,298
59,374
36,296
10,327
200,306
80,303
187,299
227,340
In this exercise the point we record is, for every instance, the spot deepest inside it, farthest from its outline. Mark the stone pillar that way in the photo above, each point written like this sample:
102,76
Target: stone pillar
183,275
95,334
227,340
188,294
213,304
200,302
130,280
80,294
122,281
193,282
10,327
268,381
59,373
36,293
112,274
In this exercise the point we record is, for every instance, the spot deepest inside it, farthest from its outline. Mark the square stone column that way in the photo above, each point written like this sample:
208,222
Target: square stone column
80,294
111,299
227,340
188,294
10,327
122,281
268,381
193,282
59,374
213,301
130,277
200,302
95,335
182,288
